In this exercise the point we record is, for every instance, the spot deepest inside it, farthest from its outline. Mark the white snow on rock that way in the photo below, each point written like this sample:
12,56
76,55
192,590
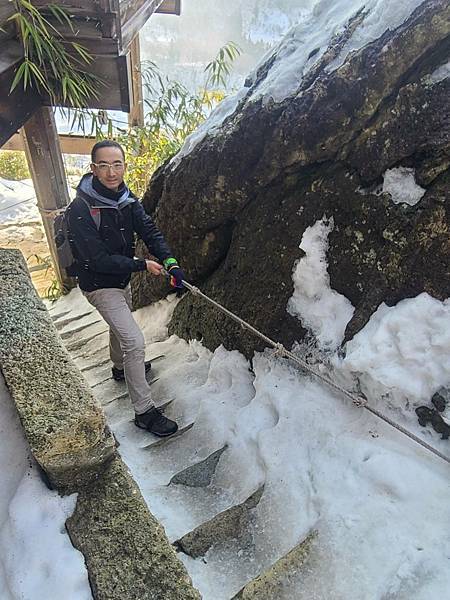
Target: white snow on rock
404,350
401,184
37,559
321,309
314,34
302,47
441,73
223,110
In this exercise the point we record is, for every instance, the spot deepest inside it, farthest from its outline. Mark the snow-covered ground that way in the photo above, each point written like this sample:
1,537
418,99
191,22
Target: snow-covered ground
17,202
37,559
378,501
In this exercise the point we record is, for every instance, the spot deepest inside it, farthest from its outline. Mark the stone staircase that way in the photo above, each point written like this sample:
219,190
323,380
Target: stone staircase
216,531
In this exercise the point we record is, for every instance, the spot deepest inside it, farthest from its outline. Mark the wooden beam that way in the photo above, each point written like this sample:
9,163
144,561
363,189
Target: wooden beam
170,7
7,9
136,116
49,177
69,144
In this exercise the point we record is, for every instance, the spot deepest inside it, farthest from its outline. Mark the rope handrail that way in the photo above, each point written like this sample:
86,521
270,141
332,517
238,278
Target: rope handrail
282,351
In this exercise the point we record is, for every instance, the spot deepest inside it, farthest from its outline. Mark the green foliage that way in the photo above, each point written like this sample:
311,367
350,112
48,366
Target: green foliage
13,165
48,65
55,290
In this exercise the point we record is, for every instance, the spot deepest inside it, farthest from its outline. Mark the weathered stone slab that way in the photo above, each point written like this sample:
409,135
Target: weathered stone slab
224,526
64,424
127,552
269,585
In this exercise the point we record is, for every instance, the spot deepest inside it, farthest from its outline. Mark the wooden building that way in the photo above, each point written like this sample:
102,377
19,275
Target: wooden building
109,30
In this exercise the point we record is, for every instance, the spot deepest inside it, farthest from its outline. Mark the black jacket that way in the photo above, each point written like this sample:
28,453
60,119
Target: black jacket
105,256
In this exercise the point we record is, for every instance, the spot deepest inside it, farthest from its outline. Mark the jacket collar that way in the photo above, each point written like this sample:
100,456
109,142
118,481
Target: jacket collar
86,189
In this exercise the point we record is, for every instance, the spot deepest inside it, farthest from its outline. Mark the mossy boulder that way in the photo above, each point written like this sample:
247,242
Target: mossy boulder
235,208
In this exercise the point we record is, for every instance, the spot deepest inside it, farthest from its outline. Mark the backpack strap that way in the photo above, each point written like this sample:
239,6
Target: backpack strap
94,212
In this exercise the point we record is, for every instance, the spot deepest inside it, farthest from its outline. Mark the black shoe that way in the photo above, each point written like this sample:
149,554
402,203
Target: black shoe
119,374
155,422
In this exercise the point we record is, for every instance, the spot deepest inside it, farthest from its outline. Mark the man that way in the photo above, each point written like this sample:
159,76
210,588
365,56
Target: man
104,253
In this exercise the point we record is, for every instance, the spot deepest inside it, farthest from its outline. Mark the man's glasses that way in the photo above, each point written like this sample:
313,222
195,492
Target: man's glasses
116,166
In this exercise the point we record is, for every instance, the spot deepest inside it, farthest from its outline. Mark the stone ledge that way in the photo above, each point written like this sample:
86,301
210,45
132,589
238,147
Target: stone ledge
64,424
127,553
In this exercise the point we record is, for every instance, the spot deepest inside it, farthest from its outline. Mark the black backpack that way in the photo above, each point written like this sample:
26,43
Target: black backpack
62,236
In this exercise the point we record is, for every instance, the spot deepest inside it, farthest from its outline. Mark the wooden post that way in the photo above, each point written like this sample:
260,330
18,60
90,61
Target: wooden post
45,162
136,116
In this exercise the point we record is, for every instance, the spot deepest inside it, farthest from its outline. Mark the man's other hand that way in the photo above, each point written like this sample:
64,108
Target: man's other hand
153,267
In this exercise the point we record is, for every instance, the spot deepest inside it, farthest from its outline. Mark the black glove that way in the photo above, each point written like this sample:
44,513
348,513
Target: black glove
176,276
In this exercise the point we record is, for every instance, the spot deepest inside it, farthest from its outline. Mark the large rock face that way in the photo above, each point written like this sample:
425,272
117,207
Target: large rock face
235,207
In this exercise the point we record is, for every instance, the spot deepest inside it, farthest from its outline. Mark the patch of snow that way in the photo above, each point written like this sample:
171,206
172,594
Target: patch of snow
18,201
404,350
401,184
381,16
223,110
313,35
37,559
439,74
321,309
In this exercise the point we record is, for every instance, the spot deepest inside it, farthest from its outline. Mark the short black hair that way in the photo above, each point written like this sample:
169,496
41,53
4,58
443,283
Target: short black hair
105,144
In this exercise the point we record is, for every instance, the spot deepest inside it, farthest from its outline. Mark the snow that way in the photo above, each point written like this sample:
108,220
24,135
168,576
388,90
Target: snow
327,19
440,74
212,124
302,48
326,465
400,183
37,560
321,309
403,350
18,201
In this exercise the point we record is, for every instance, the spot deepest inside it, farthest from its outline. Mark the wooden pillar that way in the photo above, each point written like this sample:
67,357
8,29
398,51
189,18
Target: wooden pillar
136,116
46,165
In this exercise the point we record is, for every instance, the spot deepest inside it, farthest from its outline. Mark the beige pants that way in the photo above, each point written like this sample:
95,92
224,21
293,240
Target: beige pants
126,341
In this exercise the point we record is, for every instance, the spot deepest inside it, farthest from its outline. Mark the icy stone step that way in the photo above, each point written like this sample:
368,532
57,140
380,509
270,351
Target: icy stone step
181,508
74,328
200,474
90,333
228,524
276,581
182,428
60,322
57,316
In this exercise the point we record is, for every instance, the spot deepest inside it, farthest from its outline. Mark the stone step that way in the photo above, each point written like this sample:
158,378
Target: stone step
61,322
226,525
282,578
73,328
90,334
182,428
199,474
